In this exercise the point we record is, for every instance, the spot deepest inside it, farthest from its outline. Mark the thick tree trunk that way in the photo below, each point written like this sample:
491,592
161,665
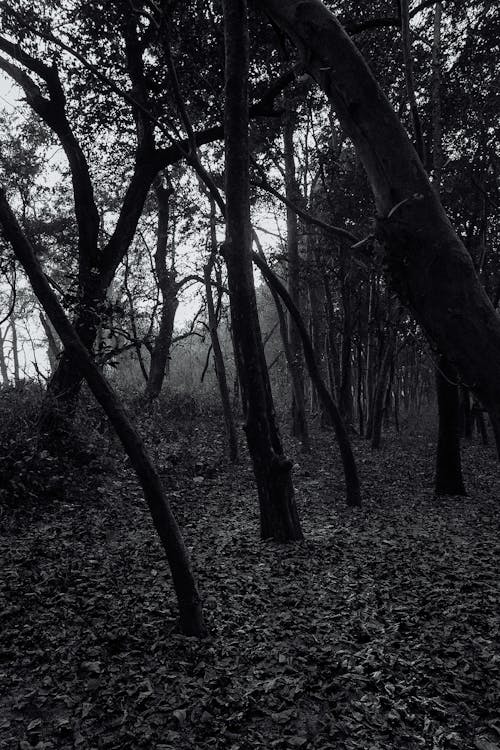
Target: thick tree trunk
427,263
278,515
294,346
61,398
191,617
353,493
449,479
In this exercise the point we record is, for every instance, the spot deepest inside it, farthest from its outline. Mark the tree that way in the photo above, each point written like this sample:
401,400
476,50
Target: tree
190,610
419,243
278,514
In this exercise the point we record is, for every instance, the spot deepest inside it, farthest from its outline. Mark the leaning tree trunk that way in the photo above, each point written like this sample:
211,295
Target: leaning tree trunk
449,479
294,371
220,368
191,617
168,288
278,515
294,346
353,492
427,262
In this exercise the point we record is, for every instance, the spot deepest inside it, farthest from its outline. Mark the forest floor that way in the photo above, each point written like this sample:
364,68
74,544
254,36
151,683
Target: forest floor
377,632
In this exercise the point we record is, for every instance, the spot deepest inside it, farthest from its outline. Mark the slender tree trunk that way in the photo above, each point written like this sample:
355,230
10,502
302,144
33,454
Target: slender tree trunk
15,347
353,493
294,371
294,346
319,336
380,391
168,289
220,368
359,389
420,245
333,359
278,514
369,374
448,464
53,348
3,364
478,418
191,617
345,395
466,412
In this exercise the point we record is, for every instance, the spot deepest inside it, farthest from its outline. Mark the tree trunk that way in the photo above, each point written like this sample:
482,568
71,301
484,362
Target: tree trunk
278,514
448,464
345,391
53,348
427,262
3,364
191,617
380,392
168,289
478,418
294,346
353,493
15,350
220,368
294,370
466,417
319,336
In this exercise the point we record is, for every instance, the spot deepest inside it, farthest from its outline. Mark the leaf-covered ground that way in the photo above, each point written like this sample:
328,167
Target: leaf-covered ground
379,631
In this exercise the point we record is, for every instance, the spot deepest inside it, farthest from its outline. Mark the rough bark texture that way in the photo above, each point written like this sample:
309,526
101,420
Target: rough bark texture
448,464
191,617
427,263
278,515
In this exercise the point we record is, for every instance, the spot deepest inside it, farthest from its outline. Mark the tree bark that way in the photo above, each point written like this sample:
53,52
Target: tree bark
427,263
449,479
278,514
191,617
